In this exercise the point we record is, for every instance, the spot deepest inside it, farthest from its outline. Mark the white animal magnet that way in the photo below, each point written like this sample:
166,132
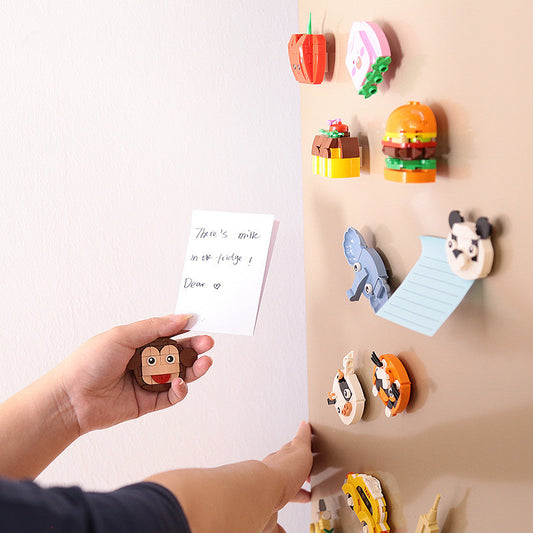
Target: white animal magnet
468,246
347,395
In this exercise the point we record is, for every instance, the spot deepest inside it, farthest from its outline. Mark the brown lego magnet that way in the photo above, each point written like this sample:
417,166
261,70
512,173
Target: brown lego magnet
157,363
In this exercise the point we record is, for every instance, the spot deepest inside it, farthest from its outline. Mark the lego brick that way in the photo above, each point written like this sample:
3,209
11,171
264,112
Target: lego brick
324,522
307,56
410,176
469,247
409,151
427,523
391,383
410,164
346,393
370,273
365,498
157,363
410,137
367,57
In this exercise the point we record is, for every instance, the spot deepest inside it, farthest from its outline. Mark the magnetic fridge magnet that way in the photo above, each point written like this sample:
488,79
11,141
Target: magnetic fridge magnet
409,144
157,363
335,153
370,273
391,383
346,393
442,276
365,498
469,247
367,57
427,523
307,55
323,524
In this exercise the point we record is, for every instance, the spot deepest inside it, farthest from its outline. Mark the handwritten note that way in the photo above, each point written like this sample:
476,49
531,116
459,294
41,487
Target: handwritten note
224,270
430,292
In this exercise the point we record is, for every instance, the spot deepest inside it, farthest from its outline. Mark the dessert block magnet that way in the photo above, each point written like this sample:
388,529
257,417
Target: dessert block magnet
335,153
367,57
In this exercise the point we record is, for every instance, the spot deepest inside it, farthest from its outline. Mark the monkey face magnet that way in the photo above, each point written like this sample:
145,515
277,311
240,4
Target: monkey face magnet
156,364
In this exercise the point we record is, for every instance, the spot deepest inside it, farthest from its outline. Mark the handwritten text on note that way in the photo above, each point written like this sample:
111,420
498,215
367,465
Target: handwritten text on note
224,270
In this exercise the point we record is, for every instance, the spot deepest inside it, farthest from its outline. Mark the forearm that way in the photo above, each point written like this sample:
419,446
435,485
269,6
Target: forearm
237,497
36,425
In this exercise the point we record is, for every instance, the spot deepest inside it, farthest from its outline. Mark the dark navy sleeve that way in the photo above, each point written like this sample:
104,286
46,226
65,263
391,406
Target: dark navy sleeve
141,508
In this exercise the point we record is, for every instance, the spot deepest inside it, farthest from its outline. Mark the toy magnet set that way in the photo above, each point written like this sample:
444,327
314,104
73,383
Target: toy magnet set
436,284
411,131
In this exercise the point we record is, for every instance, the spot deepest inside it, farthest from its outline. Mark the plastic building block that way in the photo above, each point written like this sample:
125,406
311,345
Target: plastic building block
347,395
366,500
409,142
469,247
370,273
307,55
427,523
335,154
323,525
156,364
391,383
367,57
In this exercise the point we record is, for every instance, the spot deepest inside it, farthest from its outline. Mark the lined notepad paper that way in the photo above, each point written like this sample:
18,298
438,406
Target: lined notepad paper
430,292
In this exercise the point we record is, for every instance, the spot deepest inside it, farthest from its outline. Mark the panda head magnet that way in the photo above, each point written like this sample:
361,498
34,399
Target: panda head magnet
469,247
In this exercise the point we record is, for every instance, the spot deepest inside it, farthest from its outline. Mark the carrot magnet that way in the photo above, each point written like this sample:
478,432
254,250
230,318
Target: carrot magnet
307,55
346,393
367,57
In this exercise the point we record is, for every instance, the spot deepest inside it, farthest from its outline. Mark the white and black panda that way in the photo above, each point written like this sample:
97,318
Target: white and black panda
469,247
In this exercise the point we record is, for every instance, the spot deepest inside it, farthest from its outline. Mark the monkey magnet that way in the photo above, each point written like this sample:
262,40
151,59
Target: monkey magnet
157,363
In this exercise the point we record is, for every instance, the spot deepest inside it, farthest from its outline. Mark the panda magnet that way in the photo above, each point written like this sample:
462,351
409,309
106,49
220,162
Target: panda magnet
469,247
347,395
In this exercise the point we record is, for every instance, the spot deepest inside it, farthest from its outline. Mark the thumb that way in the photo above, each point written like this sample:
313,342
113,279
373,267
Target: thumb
139,333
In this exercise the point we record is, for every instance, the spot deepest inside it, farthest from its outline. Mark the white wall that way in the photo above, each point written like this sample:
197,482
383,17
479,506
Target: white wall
117,119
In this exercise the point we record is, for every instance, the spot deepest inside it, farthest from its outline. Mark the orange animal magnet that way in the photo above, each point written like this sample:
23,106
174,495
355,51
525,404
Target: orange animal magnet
391,383
307,55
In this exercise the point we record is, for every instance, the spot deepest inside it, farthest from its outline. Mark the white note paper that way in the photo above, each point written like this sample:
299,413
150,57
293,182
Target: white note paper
224,271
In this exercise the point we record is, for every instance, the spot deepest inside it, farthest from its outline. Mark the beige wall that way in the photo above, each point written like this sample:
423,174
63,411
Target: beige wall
467,432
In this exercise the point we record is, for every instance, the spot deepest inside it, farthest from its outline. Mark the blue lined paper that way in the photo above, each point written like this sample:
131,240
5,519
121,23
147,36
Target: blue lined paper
430,292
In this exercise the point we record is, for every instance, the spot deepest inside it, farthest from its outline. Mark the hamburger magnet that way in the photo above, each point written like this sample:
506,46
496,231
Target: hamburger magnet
409,144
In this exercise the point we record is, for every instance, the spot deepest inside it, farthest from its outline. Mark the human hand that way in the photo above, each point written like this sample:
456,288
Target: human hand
103,393
292,465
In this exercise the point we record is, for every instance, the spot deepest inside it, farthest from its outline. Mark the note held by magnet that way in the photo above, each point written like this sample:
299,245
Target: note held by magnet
430,292
224,271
